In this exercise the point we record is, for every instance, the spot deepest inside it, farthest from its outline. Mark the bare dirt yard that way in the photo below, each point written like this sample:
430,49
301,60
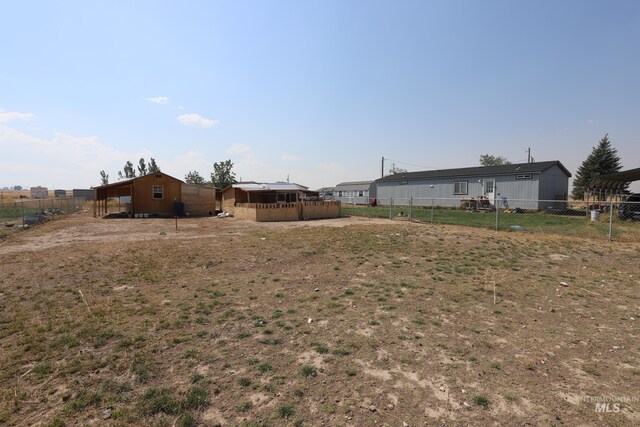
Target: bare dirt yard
346,322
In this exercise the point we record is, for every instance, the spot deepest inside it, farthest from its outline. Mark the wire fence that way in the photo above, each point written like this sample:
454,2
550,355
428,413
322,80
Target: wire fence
600,219
25,212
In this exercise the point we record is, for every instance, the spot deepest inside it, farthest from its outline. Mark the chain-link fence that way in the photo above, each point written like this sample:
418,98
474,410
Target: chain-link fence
26,212
606,219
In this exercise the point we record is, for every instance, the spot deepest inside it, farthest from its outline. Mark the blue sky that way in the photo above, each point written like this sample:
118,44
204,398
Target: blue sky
315,90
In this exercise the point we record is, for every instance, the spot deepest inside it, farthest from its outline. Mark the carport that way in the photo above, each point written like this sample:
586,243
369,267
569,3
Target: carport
611,186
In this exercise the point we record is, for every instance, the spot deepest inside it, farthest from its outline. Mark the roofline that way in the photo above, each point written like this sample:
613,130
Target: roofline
130,180
471,171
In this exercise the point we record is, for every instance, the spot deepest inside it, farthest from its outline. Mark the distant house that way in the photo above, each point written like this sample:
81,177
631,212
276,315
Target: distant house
39,192
280,201
156,194
524,182
353,192
86,193
59,193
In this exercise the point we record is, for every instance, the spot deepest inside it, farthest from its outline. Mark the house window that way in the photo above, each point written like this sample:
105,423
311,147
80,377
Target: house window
339,193
524,176
361,193
460,187
158,192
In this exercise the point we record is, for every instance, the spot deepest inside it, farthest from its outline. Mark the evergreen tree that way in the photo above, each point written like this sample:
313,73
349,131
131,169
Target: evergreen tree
603,160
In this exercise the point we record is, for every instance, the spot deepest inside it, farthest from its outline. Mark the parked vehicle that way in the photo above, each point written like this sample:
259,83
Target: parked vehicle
630,209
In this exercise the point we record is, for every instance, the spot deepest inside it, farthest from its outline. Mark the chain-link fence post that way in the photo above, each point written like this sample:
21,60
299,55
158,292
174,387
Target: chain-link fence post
610,220
432,207
22,204
391,208
410,208
497,213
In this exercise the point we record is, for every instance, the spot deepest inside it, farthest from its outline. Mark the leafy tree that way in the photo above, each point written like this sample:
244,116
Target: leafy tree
142,167
222,175
490,160
395,169
129,171
153,167
603,160
104,177
194,178
17,187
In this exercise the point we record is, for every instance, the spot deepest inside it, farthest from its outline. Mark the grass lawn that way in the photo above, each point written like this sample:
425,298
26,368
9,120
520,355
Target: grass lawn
530,221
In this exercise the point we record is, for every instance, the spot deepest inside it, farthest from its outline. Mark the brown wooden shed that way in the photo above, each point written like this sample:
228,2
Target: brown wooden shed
156,194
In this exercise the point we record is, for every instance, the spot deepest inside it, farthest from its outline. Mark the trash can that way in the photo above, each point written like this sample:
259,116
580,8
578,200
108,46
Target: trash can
595,215
178,209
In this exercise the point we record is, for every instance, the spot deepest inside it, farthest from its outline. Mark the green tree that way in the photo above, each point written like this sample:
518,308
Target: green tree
104,177
395,170
129,171
194,178
603,160
142,167
223,176
153,167
489,160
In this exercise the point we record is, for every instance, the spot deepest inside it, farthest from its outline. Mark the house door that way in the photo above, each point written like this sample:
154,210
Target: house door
490,189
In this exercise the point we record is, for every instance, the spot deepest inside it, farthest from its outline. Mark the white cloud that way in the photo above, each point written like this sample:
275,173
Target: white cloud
289,157
63,161
7,116
180,107
238,149
589,122
196,120
158,100
186,162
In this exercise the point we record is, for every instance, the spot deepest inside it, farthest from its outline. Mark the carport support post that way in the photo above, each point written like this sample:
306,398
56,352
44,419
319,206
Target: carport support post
391,208
610,219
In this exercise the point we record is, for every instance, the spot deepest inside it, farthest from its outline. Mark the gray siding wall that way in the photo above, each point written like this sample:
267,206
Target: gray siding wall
554,184
442,190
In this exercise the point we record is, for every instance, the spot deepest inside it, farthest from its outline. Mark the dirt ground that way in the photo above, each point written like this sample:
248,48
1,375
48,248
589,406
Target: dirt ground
345,322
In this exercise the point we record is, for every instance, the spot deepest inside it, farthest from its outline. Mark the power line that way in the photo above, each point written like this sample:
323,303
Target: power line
408,164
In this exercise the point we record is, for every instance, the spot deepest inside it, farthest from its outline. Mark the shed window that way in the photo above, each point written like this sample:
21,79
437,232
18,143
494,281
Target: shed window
524,176
460,187
158,191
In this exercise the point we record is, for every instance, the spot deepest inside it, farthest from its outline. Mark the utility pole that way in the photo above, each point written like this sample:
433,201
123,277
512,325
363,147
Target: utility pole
382,170
529,155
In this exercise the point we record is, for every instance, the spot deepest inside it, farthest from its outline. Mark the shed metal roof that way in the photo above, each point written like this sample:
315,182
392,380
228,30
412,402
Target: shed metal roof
266,186
515,168
355,185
